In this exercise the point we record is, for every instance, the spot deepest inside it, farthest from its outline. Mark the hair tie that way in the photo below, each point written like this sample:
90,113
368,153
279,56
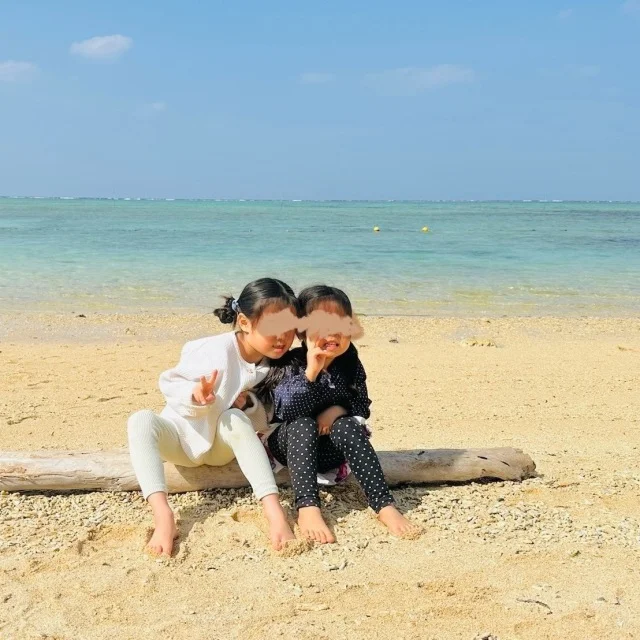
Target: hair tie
235,306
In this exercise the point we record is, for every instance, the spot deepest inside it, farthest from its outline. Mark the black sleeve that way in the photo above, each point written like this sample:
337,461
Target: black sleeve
361,402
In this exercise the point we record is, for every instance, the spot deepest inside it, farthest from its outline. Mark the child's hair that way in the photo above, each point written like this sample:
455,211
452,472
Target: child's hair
255,298
321,295
309,300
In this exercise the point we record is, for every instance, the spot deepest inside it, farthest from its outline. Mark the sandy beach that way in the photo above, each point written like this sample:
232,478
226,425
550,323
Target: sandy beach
556,556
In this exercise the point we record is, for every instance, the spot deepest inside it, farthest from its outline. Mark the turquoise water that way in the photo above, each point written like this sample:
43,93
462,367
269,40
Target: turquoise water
489,258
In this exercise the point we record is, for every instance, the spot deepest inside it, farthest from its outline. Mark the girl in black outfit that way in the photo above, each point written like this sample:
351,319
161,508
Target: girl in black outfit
319,396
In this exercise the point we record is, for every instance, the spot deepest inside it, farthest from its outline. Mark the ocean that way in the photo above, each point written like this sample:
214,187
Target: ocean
477,258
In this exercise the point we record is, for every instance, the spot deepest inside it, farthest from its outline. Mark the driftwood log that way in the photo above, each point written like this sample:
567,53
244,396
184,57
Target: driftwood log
112,471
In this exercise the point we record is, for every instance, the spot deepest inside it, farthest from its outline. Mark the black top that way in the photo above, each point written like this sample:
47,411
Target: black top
342,384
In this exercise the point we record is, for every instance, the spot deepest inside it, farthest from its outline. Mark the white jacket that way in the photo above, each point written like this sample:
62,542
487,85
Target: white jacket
197,424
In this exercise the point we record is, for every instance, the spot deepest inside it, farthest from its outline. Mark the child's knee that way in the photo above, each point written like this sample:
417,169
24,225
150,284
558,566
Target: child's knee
234,416
141,425
347,427
304,426
234,425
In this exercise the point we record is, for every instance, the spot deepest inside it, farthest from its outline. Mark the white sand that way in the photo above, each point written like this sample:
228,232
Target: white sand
553,557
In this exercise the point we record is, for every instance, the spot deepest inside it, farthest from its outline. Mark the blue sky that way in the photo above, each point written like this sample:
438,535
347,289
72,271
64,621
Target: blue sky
371,100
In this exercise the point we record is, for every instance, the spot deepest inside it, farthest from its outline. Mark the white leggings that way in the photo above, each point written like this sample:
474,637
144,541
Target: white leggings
154,440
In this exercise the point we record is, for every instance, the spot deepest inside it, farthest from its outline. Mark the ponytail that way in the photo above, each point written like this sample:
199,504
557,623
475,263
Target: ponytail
226,313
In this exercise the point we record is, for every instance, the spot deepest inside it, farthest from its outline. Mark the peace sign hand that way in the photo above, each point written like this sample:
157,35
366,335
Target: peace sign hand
203,393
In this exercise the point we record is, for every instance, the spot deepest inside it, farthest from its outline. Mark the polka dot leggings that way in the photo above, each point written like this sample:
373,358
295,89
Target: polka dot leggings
298,446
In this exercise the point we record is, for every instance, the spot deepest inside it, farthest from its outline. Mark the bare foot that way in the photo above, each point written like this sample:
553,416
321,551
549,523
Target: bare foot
165,532
279,530
313,527
397,524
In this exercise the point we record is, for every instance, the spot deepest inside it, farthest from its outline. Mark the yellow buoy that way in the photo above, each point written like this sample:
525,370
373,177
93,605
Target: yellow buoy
376,228
425,229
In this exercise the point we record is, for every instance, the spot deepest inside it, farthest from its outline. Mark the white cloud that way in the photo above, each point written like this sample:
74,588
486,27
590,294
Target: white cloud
14,71
102,47
316,78
565,14
412,80
632,7
158,106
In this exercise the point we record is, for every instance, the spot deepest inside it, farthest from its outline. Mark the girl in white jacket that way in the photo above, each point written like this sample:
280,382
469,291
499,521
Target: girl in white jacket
203,421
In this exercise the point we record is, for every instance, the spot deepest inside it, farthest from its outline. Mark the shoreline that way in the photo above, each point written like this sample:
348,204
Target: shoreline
529,310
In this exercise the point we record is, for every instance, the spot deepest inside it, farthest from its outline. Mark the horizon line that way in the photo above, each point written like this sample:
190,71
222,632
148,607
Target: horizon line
377,200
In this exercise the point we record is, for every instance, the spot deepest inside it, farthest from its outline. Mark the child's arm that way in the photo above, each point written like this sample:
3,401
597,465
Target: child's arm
180,383
361,402
327,417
